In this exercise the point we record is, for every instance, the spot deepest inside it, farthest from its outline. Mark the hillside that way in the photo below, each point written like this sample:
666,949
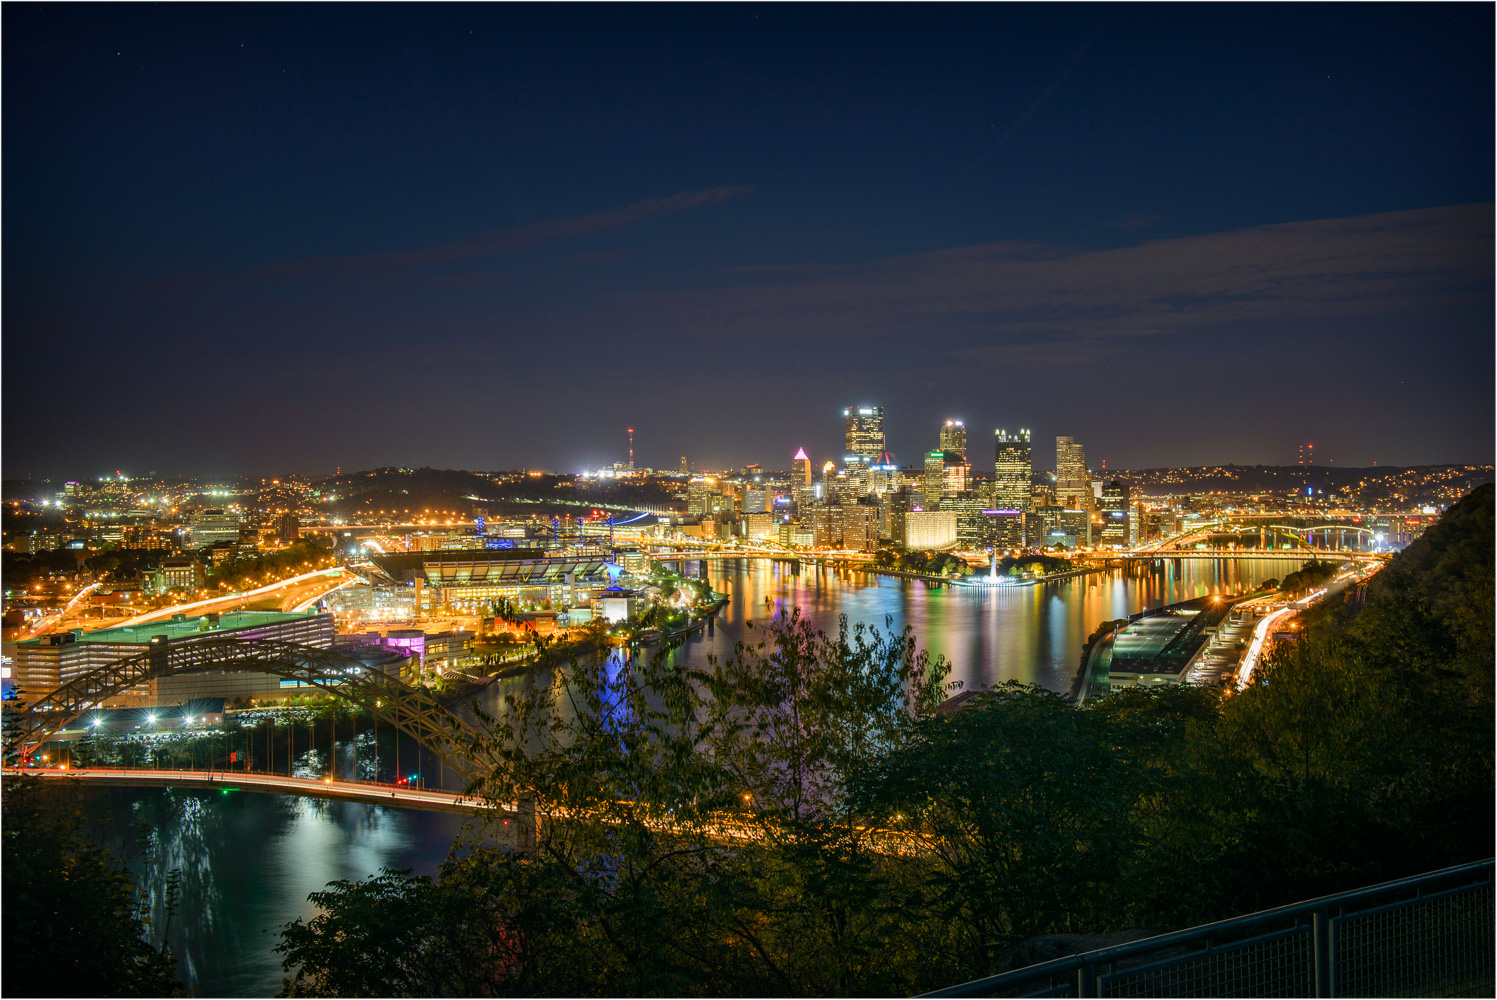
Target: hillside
461,493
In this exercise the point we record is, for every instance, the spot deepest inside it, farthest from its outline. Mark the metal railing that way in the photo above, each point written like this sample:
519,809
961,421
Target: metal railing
1427,936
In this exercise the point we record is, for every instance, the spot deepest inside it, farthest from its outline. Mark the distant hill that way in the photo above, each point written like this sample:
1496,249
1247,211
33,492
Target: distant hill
461,493
1440,484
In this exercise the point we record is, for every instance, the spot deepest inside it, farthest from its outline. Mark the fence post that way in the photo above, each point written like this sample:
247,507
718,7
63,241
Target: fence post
1086,980
1321,954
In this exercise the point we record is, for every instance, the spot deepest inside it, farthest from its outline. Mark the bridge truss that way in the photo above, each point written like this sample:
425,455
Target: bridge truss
408,708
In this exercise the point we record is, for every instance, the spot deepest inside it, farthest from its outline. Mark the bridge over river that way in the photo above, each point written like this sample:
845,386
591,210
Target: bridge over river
408,708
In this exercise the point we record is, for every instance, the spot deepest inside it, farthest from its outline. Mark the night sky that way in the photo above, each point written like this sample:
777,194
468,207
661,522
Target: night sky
278,238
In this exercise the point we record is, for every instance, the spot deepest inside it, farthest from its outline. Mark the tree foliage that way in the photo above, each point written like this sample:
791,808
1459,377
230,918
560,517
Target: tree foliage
75,922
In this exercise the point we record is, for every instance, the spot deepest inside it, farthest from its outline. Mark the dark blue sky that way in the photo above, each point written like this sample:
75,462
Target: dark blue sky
276,237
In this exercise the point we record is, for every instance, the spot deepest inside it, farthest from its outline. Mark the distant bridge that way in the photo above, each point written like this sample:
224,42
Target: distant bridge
410,709
1332,534
1286,555
378,793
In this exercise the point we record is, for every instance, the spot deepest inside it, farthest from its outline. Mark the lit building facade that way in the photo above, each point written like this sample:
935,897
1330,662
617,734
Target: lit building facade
1013,469
860,527
929,529
699,493
972,525
1116,505
954,438
1073,484
802,489
933,483
864,432
215,525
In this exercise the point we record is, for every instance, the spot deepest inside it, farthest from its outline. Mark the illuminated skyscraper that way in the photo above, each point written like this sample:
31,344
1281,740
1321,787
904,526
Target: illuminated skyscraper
955,476
865,432
883,475
802,490
1073,483
1013,466
1116,503
954,438
935,478
699,492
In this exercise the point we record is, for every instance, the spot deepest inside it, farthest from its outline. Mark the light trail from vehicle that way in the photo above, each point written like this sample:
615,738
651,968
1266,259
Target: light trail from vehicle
235,598
1250,659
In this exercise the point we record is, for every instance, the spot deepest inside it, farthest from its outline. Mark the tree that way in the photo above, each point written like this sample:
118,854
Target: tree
639,889
1028,808
72,907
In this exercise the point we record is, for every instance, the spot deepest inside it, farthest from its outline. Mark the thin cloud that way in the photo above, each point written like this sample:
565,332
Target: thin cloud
1013,293
1135,220
510,240
494,243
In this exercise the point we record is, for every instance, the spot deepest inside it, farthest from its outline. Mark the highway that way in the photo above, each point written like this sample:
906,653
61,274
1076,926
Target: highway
1255,648
50,622
301,590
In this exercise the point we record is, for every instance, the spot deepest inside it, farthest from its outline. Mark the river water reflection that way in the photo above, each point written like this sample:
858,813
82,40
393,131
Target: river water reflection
248,860
1032,634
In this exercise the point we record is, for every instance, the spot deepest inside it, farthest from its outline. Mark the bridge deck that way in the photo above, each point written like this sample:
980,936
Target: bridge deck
279,784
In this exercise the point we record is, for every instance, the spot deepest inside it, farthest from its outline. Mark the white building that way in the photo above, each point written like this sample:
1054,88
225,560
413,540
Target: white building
215,525
929,529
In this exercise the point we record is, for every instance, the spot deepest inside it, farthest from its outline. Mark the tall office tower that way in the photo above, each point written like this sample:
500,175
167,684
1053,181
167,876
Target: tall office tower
801,488
893,507
1073,484
973,528
865,432
685,469
856,474
720,503
1116,504
954,438
756,499
883,475
698,494
826,523
955,475
935,477
1012,471
860,526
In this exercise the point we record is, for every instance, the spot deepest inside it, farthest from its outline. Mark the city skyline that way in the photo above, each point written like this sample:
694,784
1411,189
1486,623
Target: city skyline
290,239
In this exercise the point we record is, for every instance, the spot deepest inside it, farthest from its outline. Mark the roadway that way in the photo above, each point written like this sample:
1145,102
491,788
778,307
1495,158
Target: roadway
1277,613
50,622
299,591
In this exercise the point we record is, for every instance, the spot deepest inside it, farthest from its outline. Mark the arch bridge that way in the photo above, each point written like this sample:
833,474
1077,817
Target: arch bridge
411,709
1304,534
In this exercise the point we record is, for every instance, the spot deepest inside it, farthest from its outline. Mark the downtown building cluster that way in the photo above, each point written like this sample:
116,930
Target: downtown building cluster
867,499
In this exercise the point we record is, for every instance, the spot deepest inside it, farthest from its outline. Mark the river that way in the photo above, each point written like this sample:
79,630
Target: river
248,860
